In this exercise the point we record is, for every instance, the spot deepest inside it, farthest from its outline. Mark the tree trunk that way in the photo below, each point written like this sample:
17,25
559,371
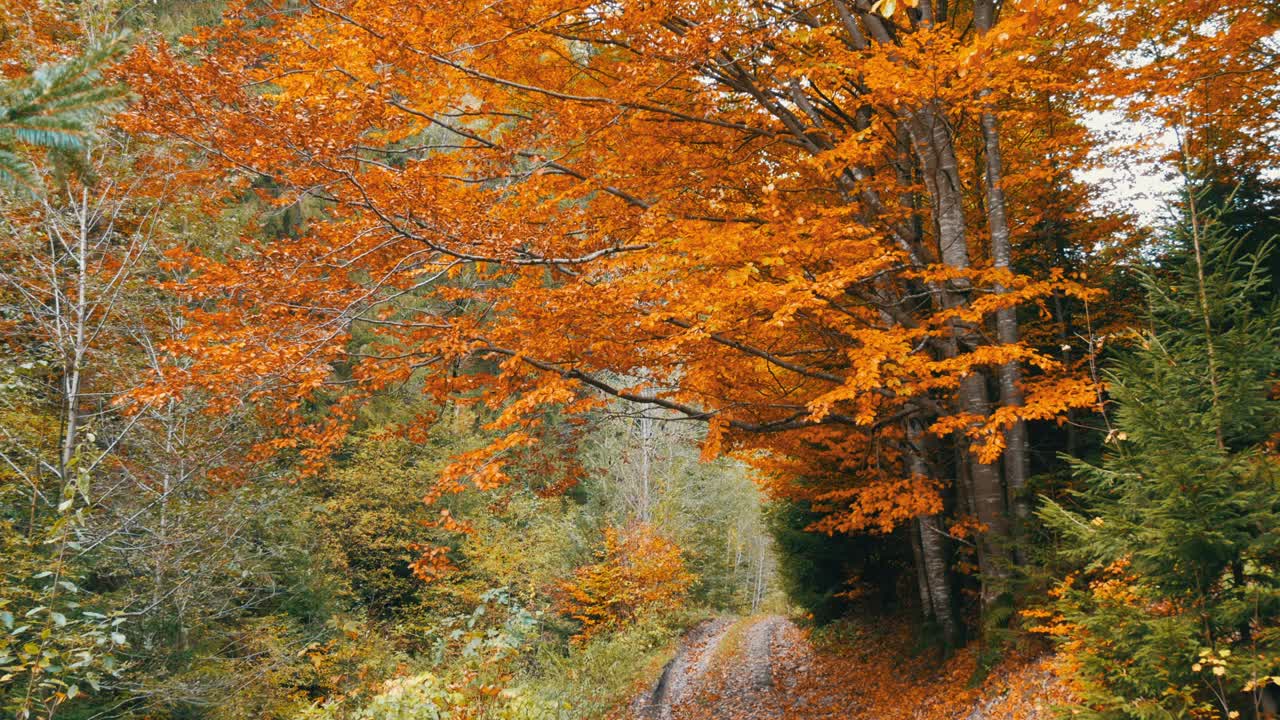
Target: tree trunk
934,551
988,500
922,578
933,567
75,353
934,145
1016,460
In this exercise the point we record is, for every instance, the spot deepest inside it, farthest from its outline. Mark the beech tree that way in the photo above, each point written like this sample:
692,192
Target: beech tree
801,224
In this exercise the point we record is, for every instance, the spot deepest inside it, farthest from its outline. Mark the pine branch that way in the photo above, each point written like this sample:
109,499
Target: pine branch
54,108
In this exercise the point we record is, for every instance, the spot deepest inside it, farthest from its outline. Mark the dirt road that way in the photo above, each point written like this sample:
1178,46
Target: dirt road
757,668
765,668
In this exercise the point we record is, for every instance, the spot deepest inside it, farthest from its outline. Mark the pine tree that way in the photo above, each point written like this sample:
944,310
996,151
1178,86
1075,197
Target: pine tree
53,108
1176,612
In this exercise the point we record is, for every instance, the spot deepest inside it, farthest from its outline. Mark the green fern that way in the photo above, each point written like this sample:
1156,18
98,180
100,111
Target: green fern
55,107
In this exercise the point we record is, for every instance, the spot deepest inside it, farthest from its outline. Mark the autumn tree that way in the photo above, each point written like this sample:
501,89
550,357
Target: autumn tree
803,225
636,571
642,467
134,547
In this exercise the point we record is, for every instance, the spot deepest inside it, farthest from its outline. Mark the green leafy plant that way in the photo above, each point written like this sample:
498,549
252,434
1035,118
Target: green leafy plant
55,642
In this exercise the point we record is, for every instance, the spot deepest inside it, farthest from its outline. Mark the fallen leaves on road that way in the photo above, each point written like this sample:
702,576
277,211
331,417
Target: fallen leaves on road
767,668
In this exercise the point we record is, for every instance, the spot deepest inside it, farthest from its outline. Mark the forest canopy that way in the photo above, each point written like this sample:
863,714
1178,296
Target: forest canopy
366,358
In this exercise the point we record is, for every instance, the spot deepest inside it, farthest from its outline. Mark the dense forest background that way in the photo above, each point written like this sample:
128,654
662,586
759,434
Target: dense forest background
364,362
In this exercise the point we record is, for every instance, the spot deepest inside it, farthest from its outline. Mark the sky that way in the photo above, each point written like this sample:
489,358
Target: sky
1125,182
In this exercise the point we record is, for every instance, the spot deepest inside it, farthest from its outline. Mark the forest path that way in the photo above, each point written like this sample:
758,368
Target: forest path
756,668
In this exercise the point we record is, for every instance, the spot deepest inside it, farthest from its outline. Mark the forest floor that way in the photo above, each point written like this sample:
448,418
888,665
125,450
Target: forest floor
768,668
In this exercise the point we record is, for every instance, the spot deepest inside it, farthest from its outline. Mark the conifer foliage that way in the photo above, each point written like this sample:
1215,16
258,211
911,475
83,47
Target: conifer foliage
1177,612
53,108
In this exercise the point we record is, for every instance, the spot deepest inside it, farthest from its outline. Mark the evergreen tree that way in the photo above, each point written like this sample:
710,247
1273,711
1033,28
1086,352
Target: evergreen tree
53,108
1177,611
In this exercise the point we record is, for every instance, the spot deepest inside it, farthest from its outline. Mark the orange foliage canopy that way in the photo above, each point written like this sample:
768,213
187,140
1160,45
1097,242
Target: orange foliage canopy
780,219
637,569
